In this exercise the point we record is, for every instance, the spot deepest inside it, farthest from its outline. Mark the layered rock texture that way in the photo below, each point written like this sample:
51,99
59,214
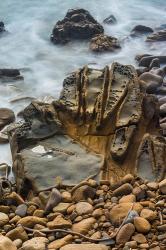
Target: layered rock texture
101,126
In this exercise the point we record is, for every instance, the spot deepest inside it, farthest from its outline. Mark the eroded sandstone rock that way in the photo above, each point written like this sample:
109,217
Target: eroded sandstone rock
96,128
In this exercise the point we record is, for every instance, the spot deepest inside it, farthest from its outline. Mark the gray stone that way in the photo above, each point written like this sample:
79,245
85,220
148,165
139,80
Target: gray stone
21,210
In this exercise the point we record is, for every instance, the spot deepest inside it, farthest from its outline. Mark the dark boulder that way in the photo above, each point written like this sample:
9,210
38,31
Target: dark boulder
110,20
12,74
140,30
78,24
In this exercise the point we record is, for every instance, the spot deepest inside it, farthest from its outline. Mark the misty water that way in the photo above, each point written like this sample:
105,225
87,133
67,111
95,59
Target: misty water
44,65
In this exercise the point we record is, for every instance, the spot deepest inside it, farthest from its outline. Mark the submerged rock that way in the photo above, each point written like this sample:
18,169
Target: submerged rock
140,30
2,27
78,24
10,74
159,36
110,20
101,43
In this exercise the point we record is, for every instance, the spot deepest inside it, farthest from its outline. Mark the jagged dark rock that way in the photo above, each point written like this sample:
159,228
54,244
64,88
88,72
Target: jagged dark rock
110,20
78,24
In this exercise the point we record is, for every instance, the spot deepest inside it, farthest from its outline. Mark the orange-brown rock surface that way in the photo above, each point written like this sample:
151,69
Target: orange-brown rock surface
102,125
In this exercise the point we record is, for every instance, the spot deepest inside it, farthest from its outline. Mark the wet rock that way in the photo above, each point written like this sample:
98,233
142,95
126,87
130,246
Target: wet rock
161,90
150,82
21,210
83,226
10,74
148,214
163,109
59,222
56,244
157,36
17,233
140,30
103,43
6,117
119,212
146,60
110,20
101,120
4,219
6,243
77,24
54,199
125,233
142,225
84,208
36,243
162,186
84,247
141,70
155,63
31,221
162,100
123,190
